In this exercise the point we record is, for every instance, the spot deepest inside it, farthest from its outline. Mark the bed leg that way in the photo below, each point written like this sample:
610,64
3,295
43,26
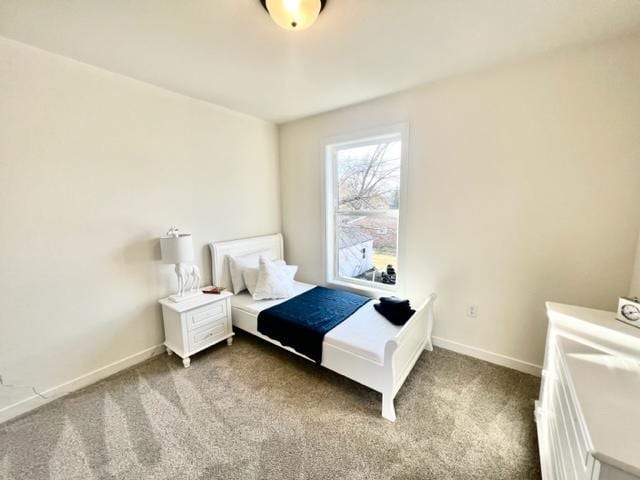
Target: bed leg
388,410
429,345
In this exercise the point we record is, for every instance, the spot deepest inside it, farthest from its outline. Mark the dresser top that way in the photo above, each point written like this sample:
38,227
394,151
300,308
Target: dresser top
593,322
607,388
602,358
195,302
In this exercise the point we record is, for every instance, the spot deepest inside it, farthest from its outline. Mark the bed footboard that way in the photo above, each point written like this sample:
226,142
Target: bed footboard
402,352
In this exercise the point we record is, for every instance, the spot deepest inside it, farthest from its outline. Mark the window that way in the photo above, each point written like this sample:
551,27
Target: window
363,201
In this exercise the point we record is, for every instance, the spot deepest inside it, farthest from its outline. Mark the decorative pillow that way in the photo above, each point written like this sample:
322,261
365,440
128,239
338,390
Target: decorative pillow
238,264
274,281
250,276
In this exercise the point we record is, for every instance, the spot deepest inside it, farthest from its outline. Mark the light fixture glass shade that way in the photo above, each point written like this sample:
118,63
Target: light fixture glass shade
294,14
176,249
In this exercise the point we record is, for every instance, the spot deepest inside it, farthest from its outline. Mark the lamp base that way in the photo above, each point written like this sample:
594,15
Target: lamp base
185,296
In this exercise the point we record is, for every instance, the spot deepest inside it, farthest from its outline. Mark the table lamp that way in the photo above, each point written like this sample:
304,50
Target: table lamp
177,249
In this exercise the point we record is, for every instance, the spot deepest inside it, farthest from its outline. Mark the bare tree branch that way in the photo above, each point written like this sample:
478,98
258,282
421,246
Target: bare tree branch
368,182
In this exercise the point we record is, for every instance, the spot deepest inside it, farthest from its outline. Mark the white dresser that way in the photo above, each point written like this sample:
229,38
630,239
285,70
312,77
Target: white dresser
588,414
195,324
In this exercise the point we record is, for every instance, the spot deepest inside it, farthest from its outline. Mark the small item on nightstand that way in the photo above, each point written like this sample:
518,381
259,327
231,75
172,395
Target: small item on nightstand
214,290
394,309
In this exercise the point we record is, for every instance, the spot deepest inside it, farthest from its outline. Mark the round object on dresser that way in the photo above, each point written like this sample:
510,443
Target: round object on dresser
629,311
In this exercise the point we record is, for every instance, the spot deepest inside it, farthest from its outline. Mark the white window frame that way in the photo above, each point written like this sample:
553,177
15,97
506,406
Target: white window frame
332,278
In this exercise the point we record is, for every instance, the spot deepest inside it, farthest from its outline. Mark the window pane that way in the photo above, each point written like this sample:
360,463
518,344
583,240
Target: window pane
368,246
368,176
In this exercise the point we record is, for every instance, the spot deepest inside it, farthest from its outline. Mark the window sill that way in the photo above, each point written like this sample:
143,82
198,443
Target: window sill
362,289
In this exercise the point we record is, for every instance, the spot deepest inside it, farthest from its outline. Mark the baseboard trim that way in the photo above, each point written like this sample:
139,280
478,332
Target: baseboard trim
497,358
34,401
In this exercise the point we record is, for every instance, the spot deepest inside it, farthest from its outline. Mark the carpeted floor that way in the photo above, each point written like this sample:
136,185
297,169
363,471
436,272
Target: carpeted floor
254,411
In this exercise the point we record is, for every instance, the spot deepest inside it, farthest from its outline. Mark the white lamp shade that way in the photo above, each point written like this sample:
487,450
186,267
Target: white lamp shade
177,249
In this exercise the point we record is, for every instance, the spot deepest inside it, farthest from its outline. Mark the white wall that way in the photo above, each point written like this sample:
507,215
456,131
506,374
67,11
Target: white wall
523,187
94,167
634,290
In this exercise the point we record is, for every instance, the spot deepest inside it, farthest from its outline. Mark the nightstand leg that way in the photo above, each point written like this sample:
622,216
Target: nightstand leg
230,341
186,362
169,352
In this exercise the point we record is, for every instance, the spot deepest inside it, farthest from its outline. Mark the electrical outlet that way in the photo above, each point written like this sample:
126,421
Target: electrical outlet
472,311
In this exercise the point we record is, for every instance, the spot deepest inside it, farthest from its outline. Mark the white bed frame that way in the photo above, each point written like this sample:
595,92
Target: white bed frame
400,353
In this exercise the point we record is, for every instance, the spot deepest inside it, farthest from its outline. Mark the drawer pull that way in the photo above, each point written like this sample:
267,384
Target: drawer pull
208,334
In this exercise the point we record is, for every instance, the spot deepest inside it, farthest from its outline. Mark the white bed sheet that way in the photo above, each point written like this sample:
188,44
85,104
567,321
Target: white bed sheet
244,301
364,333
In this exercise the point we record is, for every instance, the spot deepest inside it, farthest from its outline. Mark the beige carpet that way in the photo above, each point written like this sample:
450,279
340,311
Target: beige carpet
253,411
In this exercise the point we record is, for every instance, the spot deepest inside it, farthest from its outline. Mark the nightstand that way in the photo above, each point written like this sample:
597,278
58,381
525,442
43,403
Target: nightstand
195,324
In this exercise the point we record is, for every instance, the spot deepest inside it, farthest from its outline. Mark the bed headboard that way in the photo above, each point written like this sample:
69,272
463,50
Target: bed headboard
220,250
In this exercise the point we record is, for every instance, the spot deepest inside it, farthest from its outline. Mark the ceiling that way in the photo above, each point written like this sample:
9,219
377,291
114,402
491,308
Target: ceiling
229,52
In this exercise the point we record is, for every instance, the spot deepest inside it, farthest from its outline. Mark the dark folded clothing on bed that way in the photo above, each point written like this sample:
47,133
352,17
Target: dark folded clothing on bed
302,322
396,310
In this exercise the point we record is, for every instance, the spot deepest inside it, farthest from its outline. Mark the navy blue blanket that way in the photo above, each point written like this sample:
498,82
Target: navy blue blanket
302,322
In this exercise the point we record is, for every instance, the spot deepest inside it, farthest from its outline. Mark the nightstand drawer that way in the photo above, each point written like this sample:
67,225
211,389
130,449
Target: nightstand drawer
203,316
208,334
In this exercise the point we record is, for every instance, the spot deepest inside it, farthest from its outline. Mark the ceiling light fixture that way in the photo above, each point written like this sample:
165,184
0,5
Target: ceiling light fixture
294,14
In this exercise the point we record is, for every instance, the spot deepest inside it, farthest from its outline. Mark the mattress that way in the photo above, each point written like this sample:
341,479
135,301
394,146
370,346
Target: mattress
365,333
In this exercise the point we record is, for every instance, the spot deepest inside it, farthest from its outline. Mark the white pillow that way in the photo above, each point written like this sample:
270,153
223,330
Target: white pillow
250,276
274,281
238,264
